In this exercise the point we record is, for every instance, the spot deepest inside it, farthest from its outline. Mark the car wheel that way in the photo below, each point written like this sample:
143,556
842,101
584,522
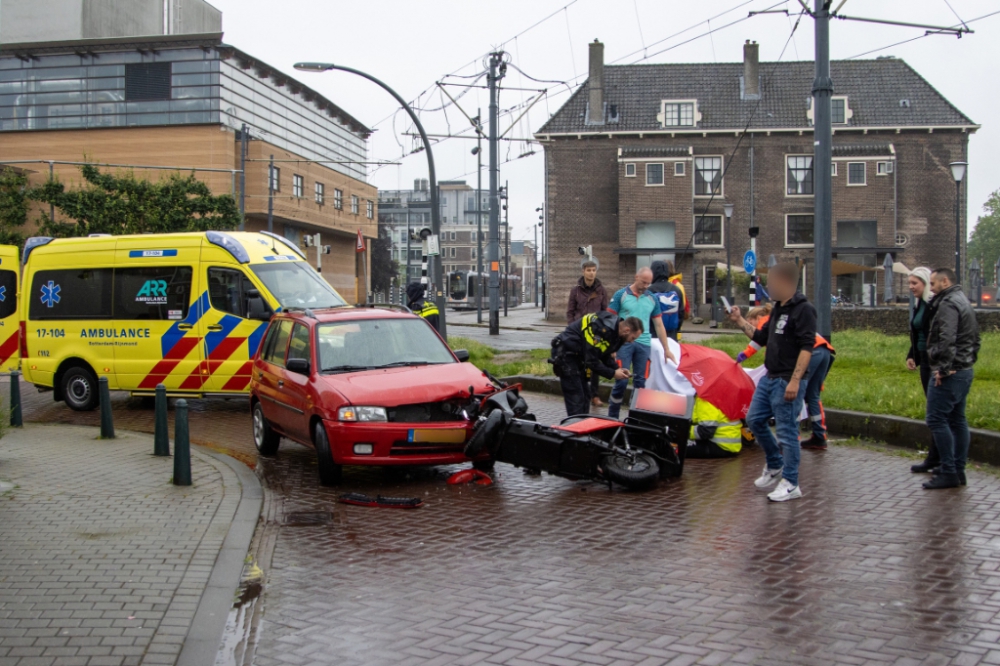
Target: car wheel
79,389
265,439
329,471
636,474
484,465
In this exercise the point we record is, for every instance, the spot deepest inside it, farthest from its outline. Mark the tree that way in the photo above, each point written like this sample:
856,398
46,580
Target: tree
124,204
13,206
984,244
384,267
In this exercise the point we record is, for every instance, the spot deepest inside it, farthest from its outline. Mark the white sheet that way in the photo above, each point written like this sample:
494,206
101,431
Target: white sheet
664,376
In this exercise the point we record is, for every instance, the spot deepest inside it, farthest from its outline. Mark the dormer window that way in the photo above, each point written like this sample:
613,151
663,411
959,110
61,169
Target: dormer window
840,111
679,113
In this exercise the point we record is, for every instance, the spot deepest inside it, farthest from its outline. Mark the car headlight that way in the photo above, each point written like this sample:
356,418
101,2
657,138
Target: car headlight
362,414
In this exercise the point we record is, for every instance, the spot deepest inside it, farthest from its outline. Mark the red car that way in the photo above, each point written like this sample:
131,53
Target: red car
363,386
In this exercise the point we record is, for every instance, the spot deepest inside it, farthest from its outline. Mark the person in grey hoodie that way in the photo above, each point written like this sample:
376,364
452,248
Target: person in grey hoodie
952,349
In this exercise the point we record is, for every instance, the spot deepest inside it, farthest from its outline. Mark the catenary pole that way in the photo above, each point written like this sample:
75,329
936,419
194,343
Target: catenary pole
479,217
822,91
506,240
494,229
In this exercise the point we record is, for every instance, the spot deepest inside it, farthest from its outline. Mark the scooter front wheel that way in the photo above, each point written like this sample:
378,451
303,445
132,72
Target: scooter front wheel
487,434
636,473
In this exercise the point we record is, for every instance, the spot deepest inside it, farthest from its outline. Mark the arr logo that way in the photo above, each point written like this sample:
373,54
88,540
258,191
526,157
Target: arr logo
154,291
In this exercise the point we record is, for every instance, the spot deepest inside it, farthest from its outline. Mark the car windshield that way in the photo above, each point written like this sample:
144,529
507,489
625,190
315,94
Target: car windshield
296,285
379,343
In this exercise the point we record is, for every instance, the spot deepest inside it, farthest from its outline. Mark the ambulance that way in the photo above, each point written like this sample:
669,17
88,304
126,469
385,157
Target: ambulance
10,356
186,310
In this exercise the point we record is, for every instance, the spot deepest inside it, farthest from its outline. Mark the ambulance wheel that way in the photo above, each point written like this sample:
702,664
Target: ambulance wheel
265,439
634,475
329,471
79,389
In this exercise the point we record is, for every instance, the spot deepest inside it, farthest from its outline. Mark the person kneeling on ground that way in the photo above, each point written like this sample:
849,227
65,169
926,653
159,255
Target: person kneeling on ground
712,434
588,346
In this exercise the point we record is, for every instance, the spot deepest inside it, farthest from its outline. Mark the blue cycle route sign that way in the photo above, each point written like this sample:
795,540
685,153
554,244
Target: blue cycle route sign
749,261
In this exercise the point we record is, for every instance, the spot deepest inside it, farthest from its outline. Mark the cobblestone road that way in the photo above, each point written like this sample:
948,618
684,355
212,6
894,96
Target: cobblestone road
865,569
102,560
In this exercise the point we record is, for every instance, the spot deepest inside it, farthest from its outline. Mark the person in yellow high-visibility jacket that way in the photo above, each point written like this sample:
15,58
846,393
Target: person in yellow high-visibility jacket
713,435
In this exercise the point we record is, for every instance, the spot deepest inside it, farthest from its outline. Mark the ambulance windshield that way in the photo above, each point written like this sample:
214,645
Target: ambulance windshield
296,285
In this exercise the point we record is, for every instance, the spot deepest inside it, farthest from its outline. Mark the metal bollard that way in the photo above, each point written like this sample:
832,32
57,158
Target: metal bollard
161,438
15,399
182,445
107,424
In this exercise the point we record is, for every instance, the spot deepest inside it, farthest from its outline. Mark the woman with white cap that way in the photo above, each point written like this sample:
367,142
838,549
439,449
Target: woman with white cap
919,283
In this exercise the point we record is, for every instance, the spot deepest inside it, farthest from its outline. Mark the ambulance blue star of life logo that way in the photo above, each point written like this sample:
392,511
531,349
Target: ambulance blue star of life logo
50,294
3,294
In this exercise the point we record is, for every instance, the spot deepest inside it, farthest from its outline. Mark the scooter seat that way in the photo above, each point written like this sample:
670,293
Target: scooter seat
589,425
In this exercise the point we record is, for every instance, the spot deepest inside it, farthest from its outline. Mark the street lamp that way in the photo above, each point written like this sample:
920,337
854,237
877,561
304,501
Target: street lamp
437,276
958,173
728,210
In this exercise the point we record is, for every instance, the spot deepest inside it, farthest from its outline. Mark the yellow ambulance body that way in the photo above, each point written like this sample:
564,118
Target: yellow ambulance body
10,355
186,310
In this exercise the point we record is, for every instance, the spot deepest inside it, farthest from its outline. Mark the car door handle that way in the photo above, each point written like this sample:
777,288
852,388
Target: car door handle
214,327
281,382
184,327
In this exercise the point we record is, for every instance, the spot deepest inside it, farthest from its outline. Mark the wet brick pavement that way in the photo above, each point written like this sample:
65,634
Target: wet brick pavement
866,569
102,560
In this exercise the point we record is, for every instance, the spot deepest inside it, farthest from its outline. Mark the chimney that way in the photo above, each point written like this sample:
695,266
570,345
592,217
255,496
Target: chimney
595,105
751,70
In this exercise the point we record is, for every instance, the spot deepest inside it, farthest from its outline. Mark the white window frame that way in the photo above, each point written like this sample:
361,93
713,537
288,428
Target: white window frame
355,205
451,236
320,190
630,166
298,185
799,196
883,168
797,245
704,281
849,183
833,171
370,209
722,180
848,114
338,199
451,252
695,115
663,178
275,182
679,169
722,231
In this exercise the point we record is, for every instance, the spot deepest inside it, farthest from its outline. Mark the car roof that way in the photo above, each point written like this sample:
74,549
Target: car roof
346,313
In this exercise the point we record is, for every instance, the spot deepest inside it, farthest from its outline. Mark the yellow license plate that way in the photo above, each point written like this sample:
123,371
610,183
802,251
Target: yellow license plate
437,435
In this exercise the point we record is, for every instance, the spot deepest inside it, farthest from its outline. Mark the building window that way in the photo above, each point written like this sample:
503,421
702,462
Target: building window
856,173
883,168
833,169
338,199
630,170
708,280
451,235
678,168
320,193
708,231
355,204
297,185
275,179
654,174
798,231
451,252
147,81
473,253
857,233
707,176
680,113
370,210
799,175
838,111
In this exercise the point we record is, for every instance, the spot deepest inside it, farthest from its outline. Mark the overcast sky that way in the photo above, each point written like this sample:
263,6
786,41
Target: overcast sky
412,44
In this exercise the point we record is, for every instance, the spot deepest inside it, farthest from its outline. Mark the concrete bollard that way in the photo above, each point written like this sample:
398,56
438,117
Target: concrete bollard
161,438
182,445
107,423
15,399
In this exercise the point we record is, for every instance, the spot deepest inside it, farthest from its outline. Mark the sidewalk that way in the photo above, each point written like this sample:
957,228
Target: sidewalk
104,561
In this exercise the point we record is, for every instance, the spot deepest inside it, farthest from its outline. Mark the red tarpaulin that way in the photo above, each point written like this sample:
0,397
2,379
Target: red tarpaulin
717,379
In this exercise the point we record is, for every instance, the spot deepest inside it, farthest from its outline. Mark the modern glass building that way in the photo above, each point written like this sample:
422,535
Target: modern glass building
182,80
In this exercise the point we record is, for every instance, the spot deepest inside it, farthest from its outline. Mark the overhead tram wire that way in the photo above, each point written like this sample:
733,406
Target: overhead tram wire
929,33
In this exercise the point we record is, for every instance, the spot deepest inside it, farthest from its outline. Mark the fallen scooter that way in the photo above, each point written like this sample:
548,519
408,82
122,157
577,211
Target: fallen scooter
634,453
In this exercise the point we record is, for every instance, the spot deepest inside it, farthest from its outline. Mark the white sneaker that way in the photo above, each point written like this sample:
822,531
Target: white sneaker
784,492
768,478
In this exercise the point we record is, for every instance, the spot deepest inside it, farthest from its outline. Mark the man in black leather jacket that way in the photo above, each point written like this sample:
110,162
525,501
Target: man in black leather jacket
952,350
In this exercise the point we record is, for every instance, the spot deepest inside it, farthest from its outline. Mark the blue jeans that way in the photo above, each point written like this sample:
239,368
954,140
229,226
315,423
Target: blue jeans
769,400
819,365
634,356
946,419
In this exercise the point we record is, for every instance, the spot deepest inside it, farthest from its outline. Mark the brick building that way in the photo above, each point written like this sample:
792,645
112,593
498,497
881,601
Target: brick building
642,158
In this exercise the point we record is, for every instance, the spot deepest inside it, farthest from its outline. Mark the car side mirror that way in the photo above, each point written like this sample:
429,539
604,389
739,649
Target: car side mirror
462,355
256,306
297,365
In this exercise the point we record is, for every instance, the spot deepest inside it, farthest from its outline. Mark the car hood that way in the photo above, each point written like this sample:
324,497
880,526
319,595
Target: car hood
407,386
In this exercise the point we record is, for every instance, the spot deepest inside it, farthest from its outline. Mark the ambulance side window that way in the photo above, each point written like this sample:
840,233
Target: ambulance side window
78,293
227,290
277,342
152,293
8,293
